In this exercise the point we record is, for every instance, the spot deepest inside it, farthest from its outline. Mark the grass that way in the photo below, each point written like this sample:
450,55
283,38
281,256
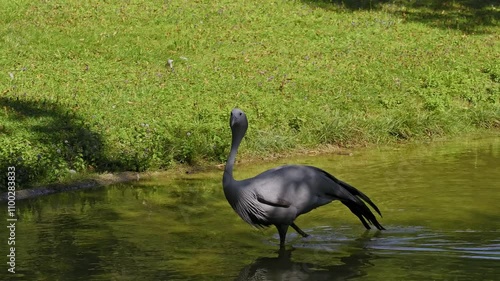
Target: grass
88,86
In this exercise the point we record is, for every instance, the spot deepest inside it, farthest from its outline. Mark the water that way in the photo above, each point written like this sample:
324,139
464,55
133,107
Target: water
440,204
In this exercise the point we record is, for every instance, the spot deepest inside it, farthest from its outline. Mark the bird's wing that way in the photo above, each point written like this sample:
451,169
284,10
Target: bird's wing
274,201
285,192
285,186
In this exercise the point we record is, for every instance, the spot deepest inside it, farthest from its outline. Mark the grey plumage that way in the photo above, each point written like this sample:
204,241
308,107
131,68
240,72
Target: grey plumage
278,196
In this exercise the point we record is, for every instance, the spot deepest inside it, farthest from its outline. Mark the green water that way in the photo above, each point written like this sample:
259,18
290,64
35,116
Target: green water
440,204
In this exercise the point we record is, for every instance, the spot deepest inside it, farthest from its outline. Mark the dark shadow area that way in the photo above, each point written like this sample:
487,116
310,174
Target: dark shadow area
470,16
55,141
284,268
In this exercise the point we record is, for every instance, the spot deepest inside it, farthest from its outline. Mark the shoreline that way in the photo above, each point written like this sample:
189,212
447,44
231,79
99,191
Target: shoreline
96,181
101,180
105,179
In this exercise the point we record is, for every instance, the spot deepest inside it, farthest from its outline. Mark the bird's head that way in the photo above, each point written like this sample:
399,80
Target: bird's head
238,121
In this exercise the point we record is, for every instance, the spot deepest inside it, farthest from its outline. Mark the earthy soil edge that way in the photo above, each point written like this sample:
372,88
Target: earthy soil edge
100,180
108,179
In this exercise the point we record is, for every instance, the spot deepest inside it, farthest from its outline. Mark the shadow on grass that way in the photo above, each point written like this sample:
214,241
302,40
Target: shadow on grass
469,16
45,141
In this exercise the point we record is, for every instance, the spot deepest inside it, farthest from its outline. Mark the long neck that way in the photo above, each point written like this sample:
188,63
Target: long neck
228,178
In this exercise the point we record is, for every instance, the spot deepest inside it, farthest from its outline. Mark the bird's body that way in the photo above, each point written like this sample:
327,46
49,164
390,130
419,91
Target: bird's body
278,196
282,194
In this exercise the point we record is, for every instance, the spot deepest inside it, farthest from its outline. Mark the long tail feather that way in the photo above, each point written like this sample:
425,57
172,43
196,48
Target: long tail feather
353,199
362,212
356,192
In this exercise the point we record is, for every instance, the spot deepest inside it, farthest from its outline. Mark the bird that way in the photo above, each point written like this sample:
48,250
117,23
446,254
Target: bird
278,196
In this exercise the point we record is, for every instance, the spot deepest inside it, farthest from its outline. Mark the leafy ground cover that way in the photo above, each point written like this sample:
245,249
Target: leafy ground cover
91,86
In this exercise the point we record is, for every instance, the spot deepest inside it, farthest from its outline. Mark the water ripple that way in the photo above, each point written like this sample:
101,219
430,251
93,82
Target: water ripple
407,240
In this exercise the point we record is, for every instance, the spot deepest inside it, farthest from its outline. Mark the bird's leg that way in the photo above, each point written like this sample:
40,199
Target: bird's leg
282,229
299,230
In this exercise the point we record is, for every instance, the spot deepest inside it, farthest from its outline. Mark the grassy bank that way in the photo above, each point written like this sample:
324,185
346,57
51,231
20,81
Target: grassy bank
90,86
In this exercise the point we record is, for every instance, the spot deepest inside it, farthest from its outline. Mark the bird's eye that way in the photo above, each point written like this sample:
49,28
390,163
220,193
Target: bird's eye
240,113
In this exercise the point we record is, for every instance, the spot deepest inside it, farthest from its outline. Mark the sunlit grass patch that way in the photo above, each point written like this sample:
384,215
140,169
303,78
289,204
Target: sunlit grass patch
90,86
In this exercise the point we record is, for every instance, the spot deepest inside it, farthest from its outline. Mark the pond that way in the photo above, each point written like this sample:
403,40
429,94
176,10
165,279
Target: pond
440,206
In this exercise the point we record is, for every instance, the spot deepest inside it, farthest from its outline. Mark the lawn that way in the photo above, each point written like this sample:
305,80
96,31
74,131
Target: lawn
92,86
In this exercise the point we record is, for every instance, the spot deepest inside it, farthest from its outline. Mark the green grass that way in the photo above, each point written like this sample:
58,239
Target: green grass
87,86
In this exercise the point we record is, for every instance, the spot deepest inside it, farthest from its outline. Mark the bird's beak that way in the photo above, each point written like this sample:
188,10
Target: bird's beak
232,121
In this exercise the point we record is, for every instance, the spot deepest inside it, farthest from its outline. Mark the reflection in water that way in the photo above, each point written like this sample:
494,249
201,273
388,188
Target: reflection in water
401,253
283,268
440,207
465,244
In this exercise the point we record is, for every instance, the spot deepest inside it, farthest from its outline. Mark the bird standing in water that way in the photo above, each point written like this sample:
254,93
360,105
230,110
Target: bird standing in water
278,196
